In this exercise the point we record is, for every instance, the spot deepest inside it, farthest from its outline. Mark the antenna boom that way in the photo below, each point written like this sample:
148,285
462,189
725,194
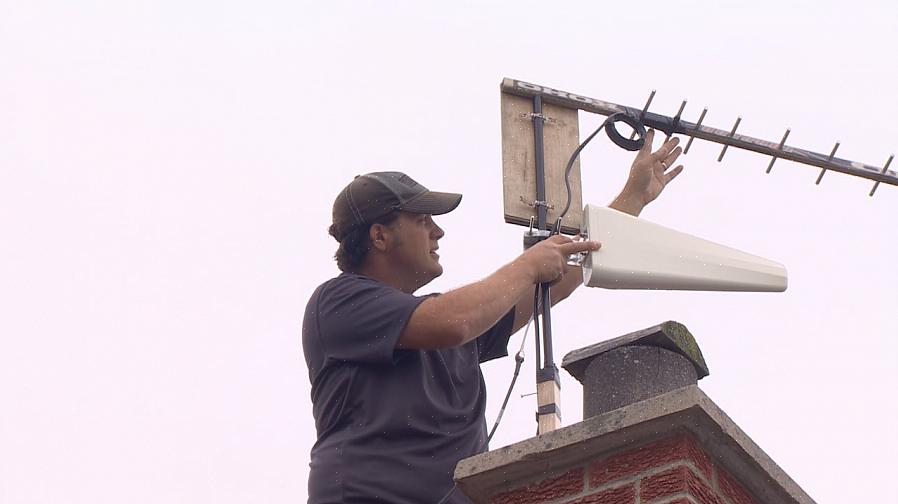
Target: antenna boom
674,125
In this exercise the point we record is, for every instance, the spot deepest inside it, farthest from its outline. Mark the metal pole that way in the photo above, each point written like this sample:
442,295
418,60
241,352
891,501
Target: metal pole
548,388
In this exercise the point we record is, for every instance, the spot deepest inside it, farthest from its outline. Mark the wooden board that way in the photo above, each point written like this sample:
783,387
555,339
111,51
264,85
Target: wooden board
561,136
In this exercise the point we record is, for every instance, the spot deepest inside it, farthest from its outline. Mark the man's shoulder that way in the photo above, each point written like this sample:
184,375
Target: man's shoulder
356,290
347,282
335,296
353,288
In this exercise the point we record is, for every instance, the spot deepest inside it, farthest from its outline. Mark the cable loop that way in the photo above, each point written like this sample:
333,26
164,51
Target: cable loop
618,139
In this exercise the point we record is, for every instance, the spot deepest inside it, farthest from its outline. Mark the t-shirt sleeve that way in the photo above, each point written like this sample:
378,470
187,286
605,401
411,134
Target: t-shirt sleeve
494,342
360,319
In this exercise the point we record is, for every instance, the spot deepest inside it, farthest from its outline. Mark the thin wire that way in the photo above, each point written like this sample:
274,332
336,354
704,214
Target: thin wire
535,319
443,500
567,173
519,360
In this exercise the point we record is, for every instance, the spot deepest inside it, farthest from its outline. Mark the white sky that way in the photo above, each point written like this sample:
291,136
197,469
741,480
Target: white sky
168,170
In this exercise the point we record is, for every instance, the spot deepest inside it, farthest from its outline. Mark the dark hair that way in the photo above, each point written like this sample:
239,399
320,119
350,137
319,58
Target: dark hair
354,242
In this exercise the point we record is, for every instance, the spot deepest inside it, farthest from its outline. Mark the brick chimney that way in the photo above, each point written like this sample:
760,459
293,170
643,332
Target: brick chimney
649,436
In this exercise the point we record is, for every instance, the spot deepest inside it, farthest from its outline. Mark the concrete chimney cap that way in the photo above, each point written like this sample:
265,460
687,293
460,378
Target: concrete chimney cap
669,335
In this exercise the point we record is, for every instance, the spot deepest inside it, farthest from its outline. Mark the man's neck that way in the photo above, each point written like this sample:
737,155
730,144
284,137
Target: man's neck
386,275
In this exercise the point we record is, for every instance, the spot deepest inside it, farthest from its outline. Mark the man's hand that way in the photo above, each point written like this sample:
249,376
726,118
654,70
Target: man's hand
563,285
649,175
547,260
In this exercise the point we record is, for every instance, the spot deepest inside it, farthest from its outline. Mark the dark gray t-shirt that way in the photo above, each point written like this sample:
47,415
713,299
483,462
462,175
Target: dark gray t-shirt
392,423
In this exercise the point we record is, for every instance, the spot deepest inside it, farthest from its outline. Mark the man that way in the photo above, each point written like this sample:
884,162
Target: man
397,393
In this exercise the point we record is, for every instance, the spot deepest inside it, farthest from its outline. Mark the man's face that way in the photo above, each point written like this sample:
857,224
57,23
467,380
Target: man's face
414,247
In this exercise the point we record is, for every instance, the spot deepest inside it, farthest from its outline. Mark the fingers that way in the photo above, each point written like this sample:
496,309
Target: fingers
670,175
649,139
567,246
579,246
551,255
666,149
669,160
559,238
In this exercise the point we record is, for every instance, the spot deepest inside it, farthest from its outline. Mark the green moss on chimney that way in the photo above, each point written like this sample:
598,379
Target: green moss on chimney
681,336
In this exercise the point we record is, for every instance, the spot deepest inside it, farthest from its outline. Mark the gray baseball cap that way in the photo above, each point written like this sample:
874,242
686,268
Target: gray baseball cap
374,195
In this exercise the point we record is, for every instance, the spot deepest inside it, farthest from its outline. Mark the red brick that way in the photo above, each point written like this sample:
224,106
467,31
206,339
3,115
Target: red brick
701,491
569,483
619,495
630,463
732,490
663,484
675,481
697,456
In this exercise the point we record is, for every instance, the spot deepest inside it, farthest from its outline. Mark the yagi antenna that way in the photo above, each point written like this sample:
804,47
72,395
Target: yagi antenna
728,138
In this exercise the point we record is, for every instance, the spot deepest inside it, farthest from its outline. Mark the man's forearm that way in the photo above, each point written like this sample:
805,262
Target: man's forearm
462,314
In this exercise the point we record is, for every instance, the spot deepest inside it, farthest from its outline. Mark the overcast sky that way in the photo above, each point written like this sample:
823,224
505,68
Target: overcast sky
168,170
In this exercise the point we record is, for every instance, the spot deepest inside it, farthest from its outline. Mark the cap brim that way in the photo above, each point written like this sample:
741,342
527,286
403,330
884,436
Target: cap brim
432,202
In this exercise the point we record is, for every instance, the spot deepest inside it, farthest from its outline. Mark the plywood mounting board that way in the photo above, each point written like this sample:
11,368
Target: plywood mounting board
561,136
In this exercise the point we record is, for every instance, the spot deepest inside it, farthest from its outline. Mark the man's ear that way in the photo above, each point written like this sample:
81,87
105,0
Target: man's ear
378,234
